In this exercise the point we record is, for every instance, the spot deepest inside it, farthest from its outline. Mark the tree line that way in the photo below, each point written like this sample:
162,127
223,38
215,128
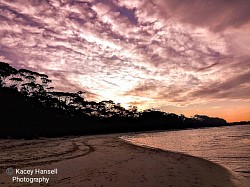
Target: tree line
30,107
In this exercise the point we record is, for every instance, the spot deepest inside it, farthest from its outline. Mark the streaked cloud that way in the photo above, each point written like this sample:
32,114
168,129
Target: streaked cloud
155,53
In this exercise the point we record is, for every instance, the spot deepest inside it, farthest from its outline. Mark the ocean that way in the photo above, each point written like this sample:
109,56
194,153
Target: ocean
228,146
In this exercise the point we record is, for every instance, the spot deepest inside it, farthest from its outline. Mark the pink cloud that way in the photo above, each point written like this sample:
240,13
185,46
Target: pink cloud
131,50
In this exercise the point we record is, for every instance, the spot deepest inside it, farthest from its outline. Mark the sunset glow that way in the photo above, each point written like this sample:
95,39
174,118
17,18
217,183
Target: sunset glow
152,54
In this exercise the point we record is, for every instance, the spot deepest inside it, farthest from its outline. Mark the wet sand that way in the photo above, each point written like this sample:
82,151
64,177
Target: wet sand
110,161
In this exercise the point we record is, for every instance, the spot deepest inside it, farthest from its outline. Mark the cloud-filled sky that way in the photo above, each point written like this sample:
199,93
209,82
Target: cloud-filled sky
178,56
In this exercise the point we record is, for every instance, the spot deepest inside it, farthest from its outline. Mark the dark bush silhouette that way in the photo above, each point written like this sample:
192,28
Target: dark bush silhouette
30,108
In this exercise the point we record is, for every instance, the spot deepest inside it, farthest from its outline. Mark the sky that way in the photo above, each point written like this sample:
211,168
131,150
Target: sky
187,57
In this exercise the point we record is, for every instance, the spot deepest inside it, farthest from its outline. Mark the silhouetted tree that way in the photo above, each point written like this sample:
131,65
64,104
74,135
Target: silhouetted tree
31,107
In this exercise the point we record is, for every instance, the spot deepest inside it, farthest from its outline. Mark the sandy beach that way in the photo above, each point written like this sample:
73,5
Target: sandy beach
109,161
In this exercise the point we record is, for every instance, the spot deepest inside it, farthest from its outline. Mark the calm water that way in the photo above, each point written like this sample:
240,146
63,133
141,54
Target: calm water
228,146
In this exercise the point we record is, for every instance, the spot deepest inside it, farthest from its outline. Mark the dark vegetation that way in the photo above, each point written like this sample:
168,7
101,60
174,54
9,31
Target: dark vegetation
240,123
30,108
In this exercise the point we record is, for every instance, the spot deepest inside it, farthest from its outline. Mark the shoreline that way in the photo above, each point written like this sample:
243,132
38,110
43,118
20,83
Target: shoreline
241,180
228,148
114,161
